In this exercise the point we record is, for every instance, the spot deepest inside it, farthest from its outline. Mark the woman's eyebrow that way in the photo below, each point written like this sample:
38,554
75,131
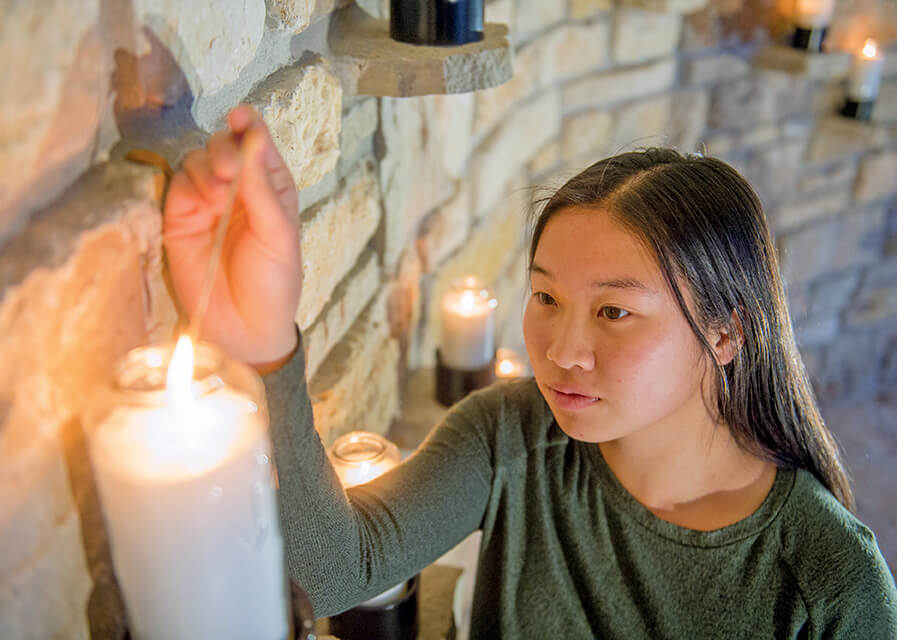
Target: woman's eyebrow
616,283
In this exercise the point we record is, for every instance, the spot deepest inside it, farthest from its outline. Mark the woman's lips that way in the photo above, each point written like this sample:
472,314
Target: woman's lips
571,400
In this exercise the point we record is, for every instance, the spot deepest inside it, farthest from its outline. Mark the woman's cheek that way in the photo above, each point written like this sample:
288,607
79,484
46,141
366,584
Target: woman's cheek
630,357
534,331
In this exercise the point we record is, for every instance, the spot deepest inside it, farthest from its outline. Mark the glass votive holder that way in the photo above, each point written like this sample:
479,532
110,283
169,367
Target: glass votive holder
183,466
465,358
361,456
467,331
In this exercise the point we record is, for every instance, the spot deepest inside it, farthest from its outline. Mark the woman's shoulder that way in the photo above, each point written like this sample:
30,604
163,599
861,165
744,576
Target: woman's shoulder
812,510
828,549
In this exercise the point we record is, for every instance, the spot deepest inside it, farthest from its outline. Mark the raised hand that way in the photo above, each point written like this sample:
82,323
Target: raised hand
258,283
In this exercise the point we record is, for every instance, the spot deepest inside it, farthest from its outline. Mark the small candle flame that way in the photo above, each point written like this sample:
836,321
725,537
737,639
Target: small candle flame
180,374
870,49
468,302
505,367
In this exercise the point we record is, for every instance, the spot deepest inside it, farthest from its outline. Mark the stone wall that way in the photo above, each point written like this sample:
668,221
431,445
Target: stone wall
398,196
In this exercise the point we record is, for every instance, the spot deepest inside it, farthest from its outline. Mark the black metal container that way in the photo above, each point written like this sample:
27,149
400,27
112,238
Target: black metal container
808,39
394,621
436,22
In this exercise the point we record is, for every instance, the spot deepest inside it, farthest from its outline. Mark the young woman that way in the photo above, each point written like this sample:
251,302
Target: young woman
666,474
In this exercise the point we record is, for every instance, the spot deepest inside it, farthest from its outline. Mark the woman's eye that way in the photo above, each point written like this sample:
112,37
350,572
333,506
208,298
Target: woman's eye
613,313
544,298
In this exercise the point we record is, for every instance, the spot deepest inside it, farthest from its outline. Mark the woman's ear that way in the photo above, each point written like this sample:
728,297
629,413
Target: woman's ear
727,339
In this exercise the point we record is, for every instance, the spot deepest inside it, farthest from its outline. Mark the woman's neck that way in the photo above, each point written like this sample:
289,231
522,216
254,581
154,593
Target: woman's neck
691,475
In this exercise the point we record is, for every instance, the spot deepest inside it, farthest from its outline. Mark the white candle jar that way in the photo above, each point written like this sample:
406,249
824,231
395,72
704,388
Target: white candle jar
361,456
468,325
187,489
813,14
864,77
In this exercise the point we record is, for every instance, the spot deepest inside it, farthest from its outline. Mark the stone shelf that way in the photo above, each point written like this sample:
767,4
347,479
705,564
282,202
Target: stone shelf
665,6
819,66
836,136
369,62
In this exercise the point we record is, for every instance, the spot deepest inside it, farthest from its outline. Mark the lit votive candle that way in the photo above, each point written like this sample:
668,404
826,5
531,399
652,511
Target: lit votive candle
359,457
813,14
184,474
864,78
509,365
468,325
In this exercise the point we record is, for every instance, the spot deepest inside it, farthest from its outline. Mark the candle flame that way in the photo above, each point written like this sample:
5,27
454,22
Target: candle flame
870,49
180,373
468,302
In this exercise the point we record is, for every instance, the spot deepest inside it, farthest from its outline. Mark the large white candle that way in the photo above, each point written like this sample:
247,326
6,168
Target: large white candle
813,14
359,457
864,78
468,325
186,484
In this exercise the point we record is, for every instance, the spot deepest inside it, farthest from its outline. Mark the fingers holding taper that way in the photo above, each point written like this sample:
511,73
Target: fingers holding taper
254,300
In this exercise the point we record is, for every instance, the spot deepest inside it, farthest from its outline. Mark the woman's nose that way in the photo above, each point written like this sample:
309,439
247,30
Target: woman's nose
569,347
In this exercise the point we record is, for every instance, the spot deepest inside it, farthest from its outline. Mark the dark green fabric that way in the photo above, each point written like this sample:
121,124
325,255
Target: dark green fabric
567,552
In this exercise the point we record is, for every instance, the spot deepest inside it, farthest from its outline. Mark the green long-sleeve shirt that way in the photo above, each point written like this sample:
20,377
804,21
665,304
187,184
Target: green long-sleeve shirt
566,551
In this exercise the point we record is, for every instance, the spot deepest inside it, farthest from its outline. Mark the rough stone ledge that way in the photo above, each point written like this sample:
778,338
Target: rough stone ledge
836,137
665,6
369,62
98,196
821,66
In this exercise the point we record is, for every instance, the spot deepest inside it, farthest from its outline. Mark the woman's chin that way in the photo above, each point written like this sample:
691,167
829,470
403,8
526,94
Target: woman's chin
578,429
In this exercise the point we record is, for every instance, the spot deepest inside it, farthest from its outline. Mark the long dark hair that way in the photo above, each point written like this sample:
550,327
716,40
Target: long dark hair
707,229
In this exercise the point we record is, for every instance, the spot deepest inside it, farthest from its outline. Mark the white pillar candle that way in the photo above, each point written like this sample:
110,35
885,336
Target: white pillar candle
185,480
359,457
864,78
509,365
813,14
468,325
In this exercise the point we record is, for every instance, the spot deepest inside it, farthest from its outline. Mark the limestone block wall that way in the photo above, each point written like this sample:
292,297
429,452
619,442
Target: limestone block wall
398,196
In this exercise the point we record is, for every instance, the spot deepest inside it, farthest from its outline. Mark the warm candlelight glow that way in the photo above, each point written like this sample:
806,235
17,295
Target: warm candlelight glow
870,50
813,13
180,375
468,324
509,364
182,462
864,77
360,456
468,303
